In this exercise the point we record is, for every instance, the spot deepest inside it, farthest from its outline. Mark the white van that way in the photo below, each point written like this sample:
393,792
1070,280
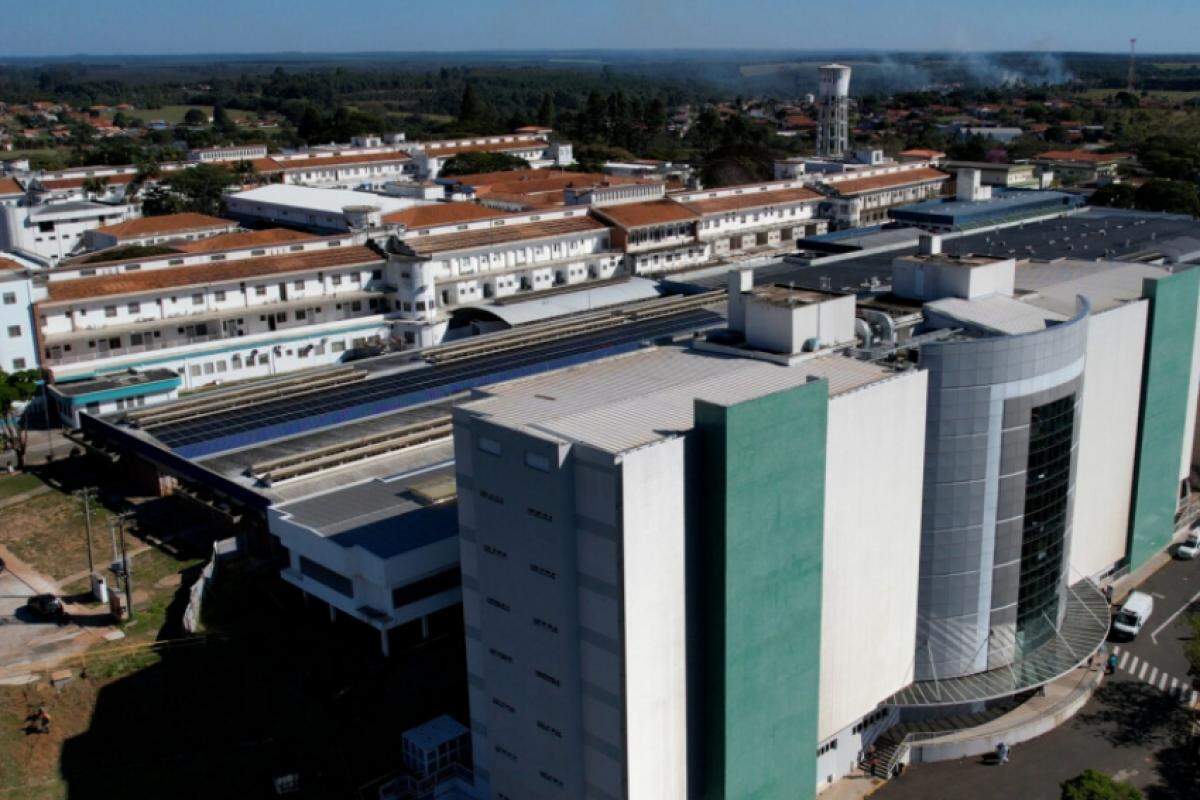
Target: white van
1133,614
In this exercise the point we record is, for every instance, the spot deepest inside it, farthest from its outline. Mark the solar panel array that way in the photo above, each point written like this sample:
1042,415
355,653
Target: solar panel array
258,423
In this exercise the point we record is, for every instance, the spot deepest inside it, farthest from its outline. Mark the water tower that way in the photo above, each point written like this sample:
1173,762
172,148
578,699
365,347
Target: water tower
833,100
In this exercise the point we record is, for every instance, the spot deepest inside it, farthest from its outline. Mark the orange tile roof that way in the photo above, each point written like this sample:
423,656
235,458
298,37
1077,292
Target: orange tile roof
441,214
166,224
10,186
1083,156
923,152
235,241
653,212
320,162
7,264
204,274
266,165
484,237
736,202
77,183
488,147
887,181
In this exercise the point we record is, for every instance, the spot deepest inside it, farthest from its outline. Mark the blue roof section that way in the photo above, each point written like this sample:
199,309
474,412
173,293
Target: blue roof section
1013,204
393,536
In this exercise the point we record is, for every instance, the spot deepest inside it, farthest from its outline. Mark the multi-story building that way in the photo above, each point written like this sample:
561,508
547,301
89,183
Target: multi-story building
526,190
214,316
439,268
654,558
218,155
1082,166
48,232
656,236
663,553
757,217
338,170
147,231
1004,176
863,197
18,349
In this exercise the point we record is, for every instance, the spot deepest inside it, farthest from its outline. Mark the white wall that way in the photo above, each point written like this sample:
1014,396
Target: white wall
655,641
16,352
873,476
1189,432
1108,422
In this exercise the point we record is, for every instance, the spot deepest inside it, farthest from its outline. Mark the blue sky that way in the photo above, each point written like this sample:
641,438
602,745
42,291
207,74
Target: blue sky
57,27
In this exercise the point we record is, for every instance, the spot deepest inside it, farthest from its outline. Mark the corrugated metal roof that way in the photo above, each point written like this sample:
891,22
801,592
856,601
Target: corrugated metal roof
631,401
1105,285
996,313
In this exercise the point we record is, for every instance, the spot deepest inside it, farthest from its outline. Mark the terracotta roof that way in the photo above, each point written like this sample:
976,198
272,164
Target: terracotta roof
887,181
488,147
166,224
654,212
77,183
1083,156
10,186
484,237
923,152
441,214
235,241
203,274
717,205
7,264
320,162
266,166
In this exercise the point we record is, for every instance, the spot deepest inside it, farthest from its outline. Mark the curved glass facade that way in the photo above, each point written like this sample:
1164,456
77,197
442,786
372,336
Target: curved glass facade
1045,523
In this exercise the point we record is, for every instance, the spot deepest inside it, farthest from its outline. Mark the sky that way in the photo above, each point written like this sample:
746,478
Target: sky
105,27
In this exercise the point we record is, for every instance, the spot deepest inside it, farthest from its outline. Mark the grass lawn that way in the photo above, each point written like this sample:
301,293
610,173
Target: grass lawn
172,115
49,534
19,483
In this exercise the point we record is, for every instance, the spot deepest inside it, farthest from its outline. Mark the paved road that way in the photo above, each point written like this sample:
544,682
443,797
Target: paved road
22,637
1133,729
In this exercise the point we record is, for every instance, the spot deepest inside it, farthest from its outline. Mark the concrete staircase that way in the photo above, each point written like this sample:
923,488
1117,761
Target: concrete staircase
891,747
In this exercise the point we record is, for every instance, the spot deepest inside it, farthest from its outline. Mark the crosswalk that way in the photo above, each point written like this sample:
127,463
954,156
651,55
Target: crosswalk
1143,671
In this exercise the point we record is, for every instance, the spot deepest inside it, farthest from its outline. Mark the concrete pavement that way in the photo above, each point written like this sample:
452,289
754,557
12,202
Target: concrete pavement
1135,728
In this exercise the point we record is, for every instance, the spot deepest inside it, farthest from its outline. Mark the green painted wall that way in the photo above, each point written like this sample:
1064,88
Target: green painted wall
1165,376
763,478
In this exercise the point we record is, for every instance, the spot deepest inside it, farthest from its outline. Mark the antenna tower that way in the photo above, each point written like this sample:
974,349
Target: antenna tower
1132,80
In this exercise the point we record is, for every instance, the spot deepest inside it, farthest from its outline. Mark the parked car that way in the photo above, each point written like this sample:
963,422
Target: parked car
1133,614
1189,548
47,606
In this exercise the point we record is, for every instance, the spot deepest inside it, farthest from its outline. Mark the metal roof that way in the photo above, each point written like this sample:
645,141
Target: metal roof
563,303
331,201
996,314
630,401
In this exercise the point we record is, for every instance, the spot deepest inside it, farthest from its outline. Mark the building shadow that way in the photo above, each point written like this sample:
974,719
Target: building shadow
275,688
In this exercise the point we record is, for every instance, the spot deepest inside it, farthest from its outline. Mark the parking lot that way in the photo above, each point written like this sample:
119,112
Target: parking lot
1136,728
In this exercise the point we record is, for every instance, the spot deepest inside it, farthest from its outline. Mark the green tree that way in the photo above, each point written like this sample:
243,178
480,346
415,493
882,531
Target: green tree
471,111
472,163
1115,195
201,188
16,390
1093,785
1192,649
1175,197
195,116
160,200
545,114
221,121
94,187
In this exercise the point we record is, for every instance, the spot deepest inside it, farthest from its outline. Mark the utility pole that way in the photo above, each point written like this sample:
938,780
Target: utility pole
125,566
46,414
87,521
